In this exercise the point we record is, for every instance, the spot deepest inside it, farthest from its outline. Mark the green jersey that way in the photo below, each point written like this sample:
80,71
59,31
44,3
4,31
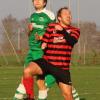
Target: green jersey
40,21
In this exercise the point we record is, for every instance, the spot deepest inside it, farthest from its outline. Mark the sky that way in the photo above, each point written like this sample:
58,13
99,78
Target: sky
88,9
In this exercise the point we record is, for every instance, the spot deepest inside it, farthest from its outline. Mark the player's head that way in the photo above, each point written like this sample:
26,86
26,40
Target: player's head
64,16
39,4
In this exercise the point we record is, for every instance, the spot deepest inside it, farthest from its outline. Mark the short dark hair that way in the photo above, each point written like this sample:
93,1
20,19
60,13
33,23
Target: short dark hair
60,10
45,3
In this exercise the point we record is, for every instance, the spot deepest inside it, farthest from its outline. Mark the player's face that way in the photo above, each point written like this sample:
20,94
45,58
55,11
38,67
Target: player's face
65,17
38,4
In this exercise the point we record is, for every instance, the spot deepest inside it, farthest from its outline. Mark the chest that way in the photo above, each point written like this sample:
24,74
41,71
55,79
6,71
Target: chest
57,38
40,18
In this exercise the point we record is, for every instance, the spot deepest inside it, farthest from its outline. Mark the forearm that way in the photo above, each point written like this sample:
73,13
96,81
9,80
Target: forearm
71,40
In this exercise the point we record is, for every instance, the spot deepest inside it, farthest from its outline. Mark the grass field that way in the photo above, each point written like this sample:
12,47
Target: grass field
86,80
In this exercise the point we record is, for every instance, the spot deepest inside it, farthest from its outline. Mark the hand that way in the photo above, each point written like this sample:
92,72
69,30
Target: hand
44,45
30,27
37,37
58,28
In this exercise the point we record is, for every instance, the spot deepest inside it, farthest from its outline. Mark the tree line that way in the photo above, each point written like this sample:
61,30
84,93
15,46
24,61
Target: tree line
89,38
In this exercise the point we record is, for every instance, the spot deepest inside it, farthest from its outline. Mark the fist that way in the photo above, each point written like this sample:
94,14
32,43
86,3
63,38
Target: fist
44,45
58,28
30,27
37,37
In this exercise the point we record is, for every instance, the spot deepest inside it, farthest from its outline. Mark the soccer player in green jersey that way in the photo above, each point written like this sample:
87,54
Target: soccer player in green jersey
39,21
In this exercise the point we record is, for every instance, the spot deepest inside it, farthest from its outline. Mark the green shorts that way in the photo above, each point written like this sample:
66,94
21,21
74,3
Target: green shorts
32,55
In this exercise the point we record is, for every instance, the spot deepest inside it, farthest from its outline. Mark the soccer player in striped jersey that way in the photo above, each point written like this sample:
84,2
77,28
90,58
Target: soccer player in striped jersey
39,21
58,45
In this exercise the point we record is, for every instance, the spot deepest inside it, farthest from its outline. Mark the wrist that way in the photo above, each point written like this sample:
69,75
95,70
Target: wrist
32,25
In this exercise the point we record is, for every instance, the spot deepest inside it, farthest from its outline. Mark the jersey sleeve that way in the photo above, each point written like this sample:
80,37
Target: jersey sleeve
72,35
52,18
75,33
50,15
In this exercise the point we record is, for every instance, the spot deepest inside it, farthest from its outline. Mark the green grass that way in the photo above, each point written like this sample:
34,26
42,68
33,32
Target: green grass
86,80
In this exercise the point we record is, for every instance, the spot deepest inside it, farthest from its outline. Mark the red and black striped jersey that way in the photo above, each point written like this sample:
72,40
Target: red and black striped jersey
59,45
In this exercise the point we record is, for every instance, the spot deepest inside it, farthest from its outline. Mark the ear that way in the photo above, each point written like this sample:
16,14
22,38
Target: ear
59,18
44,3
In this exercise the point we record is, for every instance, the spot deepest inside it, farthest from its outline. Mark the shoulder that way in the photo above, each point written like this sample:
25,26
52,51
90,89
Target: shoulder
74,28
51,27
49,13
32,15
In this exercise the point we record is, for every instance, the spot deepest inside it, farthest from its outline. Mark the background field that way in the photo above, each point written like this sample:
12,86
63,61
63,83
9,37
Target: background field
86,80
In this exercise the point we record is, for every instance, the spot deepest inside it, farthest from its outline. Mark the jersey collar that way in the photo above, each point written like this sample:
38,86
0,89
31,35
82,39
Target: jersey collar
41,10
